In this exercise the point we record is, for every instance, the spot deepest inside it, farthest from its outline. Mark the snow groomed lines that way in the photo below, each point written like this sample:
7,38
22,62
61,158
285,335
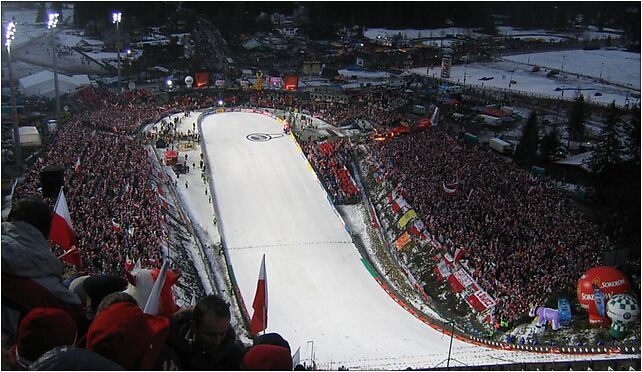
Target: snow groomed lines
288,245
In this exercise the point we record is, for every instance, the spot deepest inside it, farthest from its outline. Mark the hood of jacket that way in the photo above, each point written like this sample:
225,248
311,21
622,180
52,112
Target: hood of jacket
25,252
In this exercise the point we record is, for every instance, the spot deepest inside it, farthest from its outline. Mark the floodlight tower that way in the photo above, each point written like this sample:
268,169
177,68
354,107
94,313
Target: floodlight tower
10,36
51,25
116,18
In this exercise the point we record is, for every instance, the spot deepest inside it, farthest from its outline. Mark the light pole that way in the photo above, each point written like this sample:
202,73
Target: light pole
51,25
450,347
601,69
116,17
10,36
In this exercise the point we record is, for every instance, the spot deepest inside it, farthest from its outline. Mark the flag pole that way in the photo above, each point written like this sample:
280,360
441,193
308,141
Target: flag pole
73,249
263,320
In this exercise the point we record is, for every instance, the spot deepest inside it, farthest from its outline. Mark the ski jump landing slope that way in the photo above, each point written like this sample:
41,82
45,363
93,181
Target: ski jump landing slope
320,295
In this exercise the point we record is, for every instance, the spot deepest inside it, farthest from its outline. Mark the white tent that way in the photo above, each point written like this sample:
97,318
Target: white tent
42,84
582,160
29,137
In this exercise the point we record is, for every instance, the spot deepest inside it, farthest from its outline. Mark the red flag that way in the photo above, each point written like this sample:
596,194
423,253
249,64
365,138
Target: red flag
77,166
260,304
62,231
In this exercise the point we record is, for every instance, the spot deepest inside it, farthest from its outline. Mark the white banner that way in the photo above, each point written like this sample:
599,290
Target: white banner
463,277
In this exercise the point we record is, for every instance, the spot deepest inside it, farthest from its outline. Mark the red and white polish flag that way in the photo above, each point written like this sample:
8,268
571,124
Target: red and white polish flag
260,304
62,231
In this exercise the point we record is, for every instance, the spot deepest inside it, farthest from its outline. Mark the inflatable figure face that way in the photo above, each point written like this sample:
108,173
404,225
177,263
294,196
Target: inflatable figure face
531,313
141,282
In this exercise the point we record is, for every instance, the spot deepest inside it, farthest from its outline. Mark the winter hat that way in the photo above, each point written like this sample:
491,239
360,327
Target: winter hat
265,357
69,358
41,330
77,287
272,339
124,334
99,286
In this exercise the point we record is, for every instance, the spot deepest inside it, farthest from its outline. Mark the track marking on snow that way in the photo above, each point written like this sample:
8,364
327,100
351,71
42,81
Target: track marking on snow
286,245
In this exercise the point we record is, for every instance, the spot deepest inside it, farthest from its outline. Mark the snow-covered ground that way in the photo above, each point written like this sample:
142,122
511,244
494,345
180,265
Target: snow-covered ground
615,66
321,297
589,34
620,67
31,49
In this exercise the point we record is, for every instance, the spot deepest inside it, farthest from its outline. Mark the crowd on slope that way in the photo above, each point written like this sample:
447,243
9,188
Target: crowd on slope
331,161
521,235
509,223
113,207
117,219
380,106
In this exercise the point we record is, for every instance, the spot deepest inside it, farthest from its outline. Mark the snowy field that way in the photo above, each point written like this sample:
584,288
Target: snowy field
619,67
589,34
31,49
616,66
320,294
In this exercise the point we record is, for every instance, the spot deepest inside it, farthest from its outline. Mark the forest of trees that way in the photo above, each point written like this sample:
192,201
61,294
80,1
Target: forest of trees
622,15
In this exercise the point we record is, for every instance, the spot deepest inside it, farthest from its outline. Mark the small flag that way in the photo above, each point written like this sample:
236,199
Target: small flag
153,301
260,304
62,231
459,253
115,226
296,359
77,166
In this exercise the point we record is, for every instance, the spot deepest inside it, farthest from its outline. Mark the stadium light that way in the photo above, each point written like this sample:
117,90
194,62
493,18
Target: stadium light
10,36
51,25
116,18
53,21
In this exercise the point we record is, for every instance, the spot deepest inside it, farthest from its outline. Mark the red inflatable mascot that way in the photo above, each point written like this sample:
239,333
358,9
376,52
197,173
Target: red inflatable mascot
610,282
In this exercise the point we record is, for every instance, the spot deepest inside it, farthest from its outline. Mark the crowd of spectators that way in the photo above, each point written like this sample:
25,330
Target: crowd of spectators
117,219
380,106
509,223
113,206
522,237
330,160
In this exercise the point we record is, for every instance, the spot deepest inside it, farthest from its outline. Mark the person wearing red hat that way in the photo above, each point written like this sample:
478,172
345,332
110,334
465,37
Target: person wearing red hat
127,336
41,330
266,357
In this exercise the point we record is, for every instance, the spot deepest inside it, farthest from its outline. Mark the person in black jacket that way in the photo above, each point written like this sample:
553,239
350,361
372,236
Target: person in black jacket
203,338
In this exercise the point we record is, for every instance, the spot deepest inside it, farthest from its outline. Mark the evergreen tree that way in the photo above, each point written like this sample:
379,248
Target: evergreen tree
549,144
40,16
632,140
577,120
526,151
608,150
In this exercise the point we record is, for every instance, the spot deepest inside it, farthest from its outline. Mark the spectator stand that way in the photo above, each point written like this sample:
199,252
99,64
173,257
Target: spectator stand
329,160
386,215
